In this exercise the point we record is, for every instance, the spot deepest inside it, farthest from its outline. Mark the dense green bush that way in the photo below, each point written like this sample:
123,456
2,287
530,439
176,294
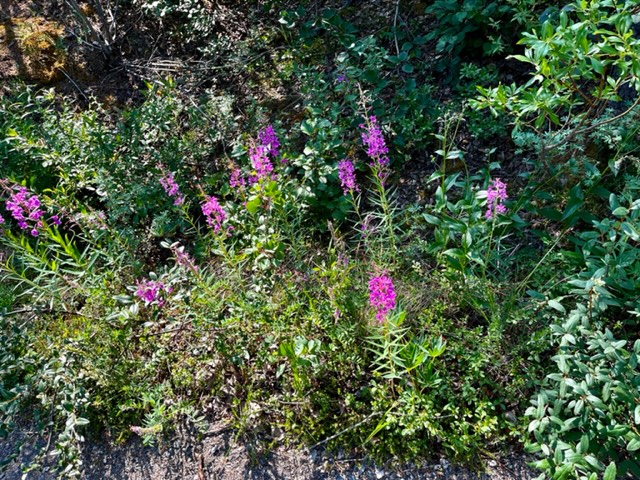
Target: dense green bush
585,418
581,62
469,25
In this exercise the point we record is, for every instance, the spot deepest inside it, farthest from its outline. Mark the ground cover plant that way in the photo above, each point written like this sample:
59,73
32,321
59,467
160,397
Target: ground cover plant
328,233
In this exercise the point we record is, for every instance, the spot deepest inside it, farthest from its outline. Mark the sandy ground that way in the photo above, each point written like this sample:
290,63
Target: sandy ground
217,455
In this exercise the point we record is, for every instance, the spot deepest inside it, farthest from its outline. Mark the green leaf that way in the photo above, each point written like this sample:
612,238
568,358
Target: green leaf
620,212
610,472
556,306
306,127
584,444
597,65
431,219
253,205
633,445
521,58
550,213
407,68
535,294
594,462
630,231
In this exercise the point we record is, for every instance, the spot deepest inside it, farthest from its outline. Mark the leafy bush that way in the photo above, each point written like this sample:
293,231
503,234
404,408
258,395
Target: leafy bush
581,63
469,24
585,418
52,386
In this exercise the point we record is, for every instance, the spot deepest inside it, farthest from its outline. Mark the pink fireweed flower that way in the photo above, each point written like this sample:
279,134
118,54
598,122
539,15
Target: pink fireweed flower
171,188
25,209
236,180
382,295
377,148
373,139
346,173
268,139
260,162
151,291
214,213
496,195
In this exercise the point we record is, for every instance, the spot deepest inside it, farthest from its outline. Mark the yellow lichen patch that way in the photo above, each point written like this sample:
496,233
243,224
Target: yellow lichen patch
35,46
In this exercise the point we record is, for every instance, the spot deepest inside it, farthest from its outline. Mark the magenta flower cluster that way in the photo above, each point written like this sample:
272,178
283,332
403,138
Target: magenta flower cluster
236,180
260,162
214,213
382,295
496,195
25,209
373,139
347,175
151,291
268,139
261,154
171,188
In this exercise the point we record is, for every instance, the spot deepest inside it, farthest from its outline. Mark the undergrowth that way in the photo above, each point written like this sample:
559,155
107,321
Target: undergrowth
176,260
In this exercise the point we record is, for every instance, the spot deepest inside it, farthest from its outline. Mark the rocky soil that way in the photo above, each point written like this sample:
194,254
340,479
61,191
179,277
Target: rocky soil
219,455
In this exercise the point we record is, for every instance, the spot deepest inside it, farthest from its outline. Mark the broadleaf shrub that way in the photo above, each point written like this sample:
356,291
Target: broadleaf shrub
585,418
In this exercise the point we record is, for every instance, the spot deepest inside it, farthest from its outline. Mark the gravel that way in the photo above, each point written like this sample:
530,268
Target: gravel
217,455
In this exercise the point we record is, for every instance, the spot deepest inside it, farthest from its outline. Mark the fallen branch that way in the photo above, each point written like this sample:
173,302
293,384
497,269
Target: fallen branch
342,432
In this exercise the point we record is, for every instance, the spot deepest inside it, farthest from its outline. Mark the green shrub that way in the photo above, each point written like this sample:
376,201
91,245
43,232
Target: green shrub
585,418
581,62
469,25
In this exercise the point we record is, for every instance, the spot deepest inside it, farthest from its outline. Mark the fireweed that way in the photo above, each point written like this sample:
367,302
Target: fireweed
346,173
260,154
496,195
183,259
268,139
151,291
260,162
25,209
377,150
171,188
236,181
214,213
382,295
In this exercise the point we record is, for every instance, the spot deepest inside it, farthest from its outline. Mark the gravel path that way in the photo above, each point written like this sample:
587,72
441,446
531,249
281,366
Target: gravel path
217,456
